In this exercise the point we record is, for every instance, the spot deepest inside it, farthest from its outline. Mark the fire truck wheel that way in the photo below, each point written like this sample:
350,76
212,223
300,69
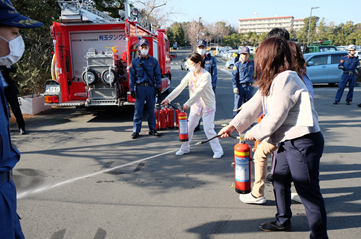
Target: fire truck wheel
92,77
108,77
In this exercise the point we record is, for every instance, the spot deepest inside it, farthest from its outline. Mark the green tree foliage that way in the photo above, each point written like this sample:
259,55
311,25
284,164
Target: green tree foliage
340,35
302,34
176,33
34,67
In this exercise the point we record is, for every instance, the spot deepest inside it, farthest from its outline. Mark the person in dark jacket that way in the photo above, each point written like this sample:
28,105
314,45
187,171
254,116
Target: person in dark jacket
11,95
11,50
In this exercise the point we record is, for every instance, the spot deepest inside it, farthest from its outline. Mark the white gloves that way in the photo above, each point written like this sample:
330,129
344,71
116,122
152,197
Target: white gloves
235,90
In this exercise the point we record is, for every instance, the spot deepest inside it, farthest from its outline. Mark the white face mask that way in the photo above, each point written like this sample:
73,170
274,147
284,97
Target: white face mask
17,48
243,57
201,51
144,52
194,68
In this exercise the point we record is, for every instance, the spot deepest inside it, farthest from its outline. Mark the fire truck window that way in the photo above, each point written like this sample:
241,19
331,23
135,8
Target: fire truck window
134,55
167,45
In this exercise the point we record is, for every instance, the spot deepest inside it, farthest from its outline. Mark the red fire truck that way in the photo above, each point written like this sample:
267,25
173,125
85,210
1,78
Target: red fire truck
92,54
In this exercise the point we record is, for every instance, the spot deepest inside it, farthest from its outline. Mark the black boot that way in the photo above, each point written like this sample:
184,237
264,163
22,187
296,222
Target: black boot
154,133
135,135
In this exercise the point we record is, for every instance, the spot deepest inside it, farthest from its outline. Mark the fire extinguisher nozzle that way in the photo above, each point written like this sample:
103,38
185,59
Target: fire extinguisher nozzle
198,143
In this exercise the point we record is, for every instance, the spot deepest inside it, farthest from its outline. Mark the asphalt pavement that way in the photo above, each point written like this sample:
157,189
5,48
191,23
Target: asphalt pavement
81,175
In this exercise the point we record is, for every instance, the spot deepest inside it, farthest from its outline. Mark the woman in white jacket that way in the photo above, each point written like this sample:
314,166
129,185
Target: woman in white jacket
202,103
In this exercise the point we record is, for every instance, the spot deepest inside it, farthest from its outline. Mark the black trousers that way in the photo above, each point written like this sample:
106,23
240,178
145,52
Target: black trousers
298,160
12,99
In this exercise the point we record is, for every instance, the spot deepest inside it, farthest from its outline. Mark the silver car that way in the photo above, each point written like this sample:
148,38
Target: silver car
230,64
322,67
183,64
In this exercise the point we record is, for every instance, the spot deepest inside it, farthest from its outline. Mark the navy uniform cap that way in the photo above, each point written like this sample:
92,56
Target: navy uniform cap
245,50
202,43
143,41
10,17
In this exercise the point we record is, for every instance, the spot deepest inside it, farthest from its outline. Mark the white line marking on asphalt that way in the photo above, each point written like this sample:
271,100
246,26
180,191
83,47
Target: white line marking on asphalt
228,72
29,192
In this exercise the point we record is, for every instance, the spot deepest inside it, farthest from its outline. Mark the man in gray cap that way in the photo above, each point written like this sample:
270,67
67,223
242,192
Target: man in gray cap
242,78
11,50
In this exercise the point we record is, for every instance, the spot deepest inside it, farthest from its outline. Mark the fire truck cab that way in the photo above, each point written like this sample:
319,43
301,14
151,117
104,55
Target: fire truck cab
92,54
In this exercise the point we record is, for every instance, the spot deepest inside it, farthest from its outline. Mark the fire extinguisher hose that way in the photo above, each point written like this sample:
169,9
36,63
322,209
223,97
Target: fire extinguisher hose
173,106
206,141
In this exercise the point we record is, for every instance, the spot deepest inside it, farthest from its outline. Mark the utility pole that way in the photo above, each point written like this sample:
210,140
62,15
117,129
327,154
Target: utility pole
309,25
199,26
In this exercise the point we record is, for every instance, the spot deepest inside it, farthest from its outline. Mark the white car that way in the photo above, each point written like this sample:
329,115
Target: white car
230,64
184,65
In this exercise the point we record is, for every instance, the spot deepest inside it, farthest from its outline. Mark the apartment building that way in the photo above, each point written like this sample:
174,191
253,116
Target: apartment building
265,24
298,24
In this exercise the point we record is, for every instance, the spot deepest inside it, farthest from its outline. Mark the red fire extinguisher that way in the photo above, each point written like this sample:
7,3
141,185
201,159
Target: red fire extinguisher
177,111
183,126
242,167
162,119
257,143
170,117
156,117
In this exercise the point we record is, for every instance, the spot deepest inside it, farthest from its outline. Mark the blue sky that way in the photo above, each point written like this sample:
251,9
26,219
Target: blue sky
232,10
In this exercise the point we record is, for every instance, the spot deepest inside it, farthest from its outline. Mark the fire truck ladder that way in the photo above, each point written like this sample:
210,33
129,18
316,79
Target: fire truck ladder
77,11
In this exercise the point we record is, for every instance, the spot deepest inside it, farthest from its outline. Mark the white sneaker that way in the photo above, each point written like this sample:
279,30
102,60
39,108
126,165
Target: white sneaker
248,198
218,155
295,197
181,152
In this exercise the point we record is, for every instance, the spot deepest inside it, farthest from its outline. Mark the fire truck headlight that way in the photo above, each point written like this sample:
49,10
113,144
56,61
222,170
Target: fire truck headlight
135,12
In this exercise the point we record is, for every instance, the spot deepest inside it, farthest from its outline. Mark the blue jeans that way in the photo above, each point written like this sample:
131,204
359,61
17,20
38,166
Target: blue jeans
298,160
342,84
142,94
245,93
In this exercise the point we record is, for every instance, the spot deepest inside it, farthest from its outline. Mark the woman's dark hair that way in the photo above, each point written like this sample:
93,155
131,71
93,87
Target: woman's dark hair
195,57
299,63
278,32
273,57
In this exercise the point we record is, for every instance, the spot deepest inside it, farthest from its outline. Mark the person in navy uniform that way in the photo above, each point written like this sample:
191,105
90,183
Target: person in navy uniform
11,95
348,64
11,50
242,78
210,66
145,79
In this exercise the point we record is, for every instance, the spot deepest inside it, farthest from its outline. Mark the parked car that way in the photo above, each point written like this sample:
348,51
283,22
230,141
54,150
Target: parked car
183,64
230,64
322,67
358,53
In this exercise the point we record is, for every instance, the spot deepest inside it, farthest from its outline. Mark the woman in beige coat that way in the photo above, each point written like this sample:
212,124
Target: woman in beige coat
202,103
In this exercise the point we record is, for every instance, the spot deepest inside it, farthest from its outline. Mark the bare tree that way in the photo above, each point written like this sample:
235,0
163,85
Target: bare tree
194,32
153,11
210,32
